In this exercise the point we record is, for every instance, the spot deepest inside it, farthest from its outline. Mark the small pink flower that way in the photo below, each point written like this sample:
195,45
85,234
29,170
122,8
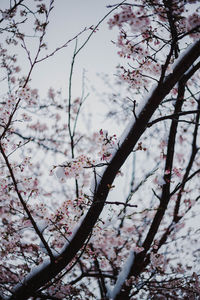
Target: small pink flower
167,172
177,172
138,249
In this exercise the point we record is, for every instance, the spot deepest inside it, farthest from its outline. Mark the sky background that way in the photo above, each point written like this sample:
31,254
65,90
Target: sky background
100,55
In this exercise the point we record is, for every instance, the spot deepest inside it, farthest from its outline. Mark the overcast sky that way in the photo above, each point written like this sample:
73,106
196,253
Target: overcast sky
100,55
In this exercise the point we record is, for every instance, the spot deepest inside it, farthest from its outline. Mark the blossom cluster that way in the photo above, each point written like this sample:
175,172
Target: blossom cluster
137,20
58,208
11,102
138,249
75,167
107,144
144,49
72,169
6,110
28,95
157,261
193,21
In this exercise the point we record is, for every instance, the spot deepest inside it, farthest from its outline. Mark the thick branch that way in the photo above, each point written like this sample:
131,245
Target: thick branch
171,19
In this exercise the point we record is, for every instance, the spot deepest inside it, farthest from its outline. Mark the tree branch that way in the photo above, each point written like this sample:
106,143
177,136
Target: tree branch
46,273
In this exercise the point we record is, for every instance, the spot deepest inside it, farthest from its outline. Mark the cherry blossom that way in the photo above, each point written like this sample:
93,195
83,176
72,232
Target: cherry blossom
72,227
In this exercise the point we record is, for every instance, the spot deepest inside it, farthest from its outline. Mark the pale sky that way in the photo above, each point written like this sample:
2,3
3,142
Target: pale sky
100,55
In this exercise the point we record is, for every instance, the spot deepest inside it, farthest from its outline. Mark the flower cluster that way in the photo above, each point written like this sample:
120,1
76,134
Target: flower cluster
138,249
37,126
177,172
72,169
28,95
137,20
6,109
77,166
107,143
157,261
143,48
193,22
